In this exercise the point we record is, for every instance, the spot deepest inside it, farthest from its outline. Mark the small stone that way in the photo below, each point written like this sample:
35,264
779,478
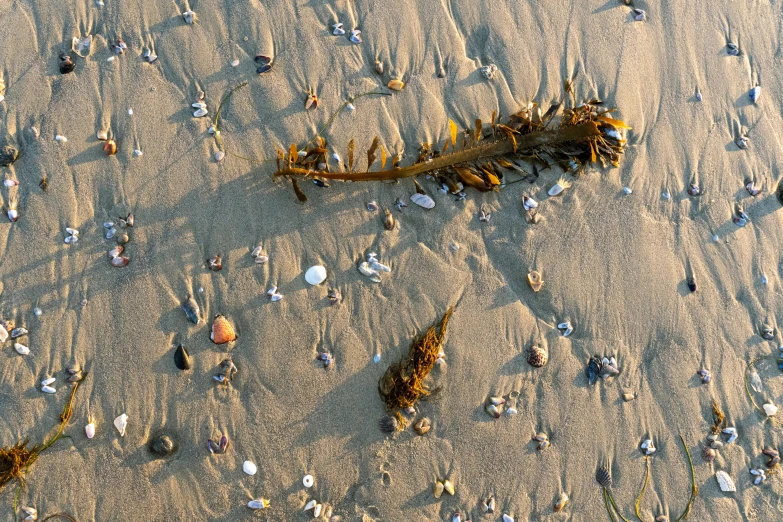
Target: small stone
628,397
770,409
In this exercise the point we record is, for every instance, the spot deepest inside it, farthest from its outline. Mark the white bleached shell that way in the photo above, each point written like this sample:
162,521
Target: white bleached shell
423,200
507,518
200,112
770,409
338,29
317,510
21,349
356,36
529,203
3,334
13,215
89,430
257,251
378,267
315,275
754,94
310,505
48,389
249,468
102,135
556,189
61,138
307,481
566,328
365,270
627,190
732,433
121,423
725,482
47,382
259,503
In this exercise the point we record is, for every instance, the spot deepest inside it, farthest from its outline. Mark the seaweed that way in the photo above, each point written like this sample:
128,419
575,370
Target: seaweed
16,460
402,385
718,417
585,135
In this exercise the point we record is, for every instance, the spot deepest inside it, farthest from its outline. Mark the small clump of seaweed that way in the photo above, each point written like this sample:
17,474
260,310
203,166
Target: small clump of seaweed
402,385
16,460
718,417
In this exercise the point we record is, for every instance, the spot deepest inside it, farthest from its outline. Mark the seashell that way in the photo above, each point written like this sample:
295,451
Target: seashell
334,296
315,275
21,349
561,502
639,15
67,66
110,233
388,220
489,71
628,397
30,513
264,68
200,112
400,204
559,187
263,59
120,261
423,200
317,510
627,190
259,503
484,216
364,269
540,437
438,489
13,216
249,468
181,358
338,29
770,452
493,410
603,476
529,203
310,505
128,221
544,444
497,400
422,426
102,135
189,17
378,66
761,476
162,446
388,424
114,252
222,331
257,251
708,454
82,46
8,155
742,142
732,433
732,49
566,328
537,356
215,263
220,156
535,280
121,423
89,430
507,518
396,84
199,105
648,448
767,332
191,309
356,36
698,95
311,102
10,182
593,369
725,482
456,517
491,505
307,481
378,267
752,189
48,389
692,284
770,409
19,331
449,487
754,94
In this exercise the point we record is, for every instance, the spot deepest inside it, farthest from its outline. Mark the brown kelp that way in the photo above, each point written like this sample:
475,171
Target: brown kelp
584,134
604,479
16,460
403,383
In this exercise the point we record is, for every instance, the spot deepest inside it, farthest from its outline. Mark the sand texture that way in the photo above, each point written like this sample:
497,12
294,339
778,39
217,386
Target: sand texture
614,264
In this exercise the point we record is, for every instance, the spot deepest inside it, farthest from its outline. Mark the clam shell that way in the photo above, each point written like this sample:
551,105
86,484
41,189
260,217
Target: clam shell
310,505
18,332
259,503
191,309
561,502
507,518
537,356
257,251
535,280
121,423
754,94
249,468
437,490
388,424
110,147
315,275
422,426
200,112
708,454
3,333
181,358
89,430
423,200
725,482
770,409
493,410
317,510
395,84
48,389
222,331
120,261
356,36
449,487
603,476
21,349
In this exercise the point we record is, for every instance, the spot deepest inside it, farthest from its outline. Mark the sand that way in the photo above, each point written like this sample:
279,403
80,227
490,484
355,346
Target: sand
615,265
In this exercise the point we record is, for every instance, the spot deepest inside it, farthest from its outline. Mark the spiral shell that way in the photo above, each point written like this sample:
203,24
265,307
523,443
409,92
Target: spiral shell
603,476
222,331
537,356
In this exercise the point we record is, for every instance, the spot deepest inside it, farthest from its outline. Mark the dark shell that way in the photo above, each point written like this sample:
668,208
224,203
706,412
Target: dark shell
708,454
691,284
770,452
223,444
262,59
264,68
18,332
8,155
537,356
181,358
594,369
67,66
191,309
388,424
162,446
215,264
604,477
773,462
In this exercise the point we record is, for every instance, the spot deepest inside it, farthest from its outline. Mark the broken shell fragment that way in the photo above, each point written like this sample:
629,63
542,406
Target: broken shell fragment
365,270
334,296
389,424
529,203
396,84
82,46
732,433
388,220
315,275
259,503
754,94
121,423
489,71
742,142
639,15
535,280
770,409
189,17
561,502
222,331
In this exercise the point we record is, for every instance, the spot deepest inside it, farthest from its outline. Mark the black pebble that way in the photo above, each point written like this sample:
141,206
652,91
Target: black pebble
67,67
181,358
162,446
691,284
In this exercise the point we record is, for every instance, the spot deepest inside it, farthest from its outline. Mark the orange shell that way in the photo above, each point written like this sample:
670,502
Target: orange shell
396,85
222,331
535,280
110,147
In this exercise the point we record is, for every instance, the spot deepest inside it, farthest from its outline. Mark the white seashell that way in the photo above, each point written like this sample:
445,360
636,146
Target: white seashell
189,16
261,260
764,279
275,297
10,182
627,190
423,200
317,510
272,290
47,382
199,105
37,311
556,189
30,513
511,411
754,94
102,135
89,430
770,409
350,107
60,138
356,36
308,481
566,327
21,349
379,267
200,112
529,203
715,238
110,59
732,433
137,152
336,157
365,270
725,482
130,112
257,251
315,275
507,518
234,63
376,358
755,381
338,29
648,447
13,215
259,503
457,517
121,423
220,156
249,468
310,505
666,195
48,389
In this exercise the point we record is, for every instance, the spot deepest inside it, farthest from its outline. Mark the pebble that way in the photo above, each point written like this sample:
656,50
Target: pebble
162,446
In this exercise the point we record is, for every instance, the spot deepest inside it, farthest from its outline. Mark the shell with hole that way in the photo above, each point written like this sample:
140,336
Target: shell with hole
535,280
222,331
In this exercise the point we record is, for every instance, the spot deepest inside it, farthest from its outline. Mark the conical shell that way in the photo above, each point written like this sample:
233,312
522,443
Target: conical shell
121,423
222,331
725,482
535,280
537,356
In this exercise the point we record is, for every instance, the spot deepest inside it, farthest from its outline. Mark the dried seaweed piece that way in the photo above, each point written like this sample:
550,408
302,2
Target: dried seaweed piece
402,385
371,153
350,155
717,417
453,133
